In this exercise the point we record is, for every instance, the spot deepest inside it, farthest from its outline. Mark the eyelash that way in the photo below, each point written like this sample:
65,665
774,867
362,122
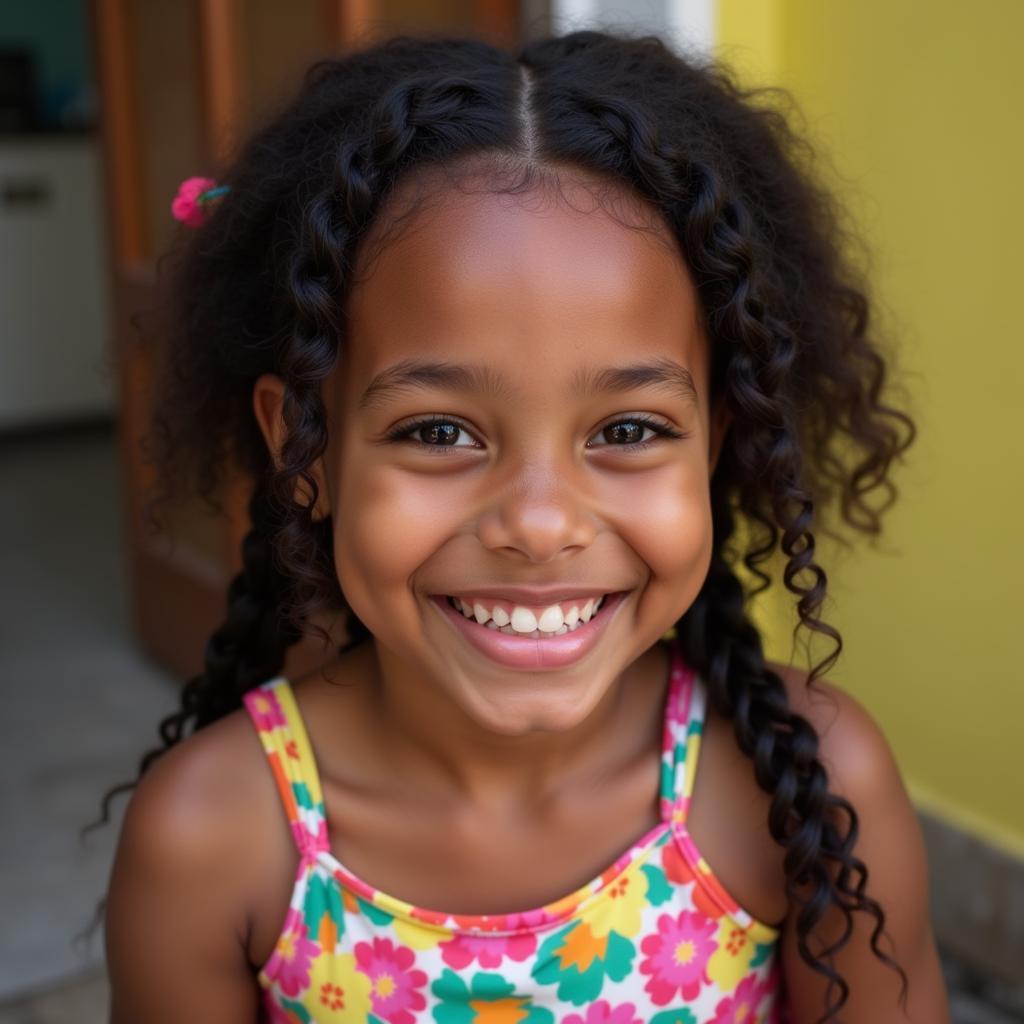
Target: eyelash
661,429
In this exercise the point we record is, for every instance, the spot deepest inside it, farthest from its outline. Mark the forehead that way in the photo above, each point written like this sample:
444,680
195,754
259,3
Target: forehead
535,280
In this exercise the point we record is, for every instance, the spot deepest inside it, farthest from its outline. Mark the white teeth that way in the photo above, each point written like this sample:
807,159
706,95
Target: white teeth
550,620
522,622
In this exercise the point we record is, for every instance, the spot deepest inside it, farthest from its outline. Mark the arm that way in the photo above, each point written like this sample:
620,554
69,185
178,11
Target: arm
175,927
861,767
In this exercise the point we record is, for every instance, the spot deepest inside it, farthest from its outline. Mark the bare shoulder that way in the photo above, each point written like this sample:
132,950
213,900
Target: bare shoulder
863,769
852,745
177,905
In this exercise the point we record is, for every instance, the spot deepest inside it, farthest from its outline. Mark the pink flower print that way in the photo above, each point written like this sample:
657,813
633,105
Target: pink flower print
602,1012
289,963
740,1007
186,206
461,950
311,843
677,956
504,922
394,987
265,709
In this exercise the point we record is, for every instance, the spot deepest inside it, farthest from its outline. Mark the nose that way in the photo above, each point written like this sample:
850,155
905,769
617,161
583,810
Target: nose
539,512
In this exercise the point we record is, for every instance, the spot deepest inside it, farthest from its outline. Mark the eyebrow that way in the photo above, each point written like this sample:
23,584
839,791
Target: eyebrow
413,374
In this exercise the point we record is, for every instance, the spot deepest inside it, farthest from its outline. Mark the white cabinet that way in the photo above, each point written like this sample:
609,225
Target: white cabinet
54,299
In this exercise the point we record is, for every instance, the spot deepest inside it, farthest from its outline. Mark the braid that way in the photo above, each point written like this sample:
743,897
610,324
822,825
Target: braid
288,569
754,368
725,647
247,649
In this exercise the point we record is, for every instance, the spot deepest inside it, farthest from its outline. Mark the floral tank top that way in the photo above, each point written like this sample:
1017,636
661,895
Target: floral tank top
654,939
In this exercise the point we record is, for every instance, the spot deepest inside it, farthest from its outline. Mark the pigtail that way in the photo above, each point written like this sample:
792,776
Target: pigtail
249,647
820,865
271,268
759,363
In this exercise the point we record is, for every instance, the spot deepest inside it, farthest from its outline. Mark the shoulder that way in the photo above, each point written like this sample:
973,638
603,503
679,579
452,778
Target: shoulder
206,817
851,744
862,768
190,810
177,913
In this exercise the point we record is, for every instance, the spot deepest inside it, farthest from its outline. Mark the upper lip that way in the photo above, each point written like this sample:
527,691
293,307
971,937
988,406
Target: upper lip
533,595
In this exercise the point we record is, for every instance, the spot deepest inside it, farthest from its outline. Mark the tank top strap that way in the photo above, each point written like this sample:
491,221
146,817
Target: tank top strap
275,714
684,723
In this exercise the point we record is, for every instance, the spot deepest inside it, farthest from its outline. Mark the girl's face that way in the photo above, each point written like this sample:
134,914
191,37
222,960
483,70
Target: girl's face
548,343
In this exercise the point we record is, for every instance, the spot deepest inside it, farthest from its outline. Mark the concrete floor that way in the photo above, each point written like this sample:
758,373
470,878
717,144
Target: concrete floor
81,705
80,702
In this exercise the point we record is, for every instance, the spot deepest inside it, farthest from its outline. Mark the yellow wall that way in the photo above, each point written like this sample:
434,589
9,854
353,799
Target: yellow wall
917,106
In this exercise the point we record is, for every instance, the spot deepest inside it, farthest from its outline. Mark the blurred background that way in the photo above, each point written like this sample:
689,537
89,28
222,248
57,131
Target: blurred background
105,106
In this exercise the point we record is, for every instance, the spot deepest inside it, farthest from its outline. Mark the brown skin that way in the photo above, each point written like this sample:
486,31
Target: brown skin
428,746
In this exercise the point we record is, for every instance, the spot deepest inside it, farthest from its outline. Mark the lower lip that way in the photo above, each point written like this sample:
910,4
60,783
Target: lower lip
533,652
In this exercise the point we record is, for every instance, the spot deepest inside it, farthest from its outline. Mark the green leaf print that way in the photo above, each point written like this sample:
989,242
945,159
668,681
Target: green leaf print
538,1015
576,986
619,957
296,1010
658,889
315,905
667,772
302,797
680,1016
490,986
485,987
761,953
454,1007
375,914
322,897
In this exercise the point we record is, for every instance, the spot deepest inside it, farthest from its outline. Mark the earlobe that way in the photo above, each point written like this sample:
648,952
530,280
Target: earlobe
268,408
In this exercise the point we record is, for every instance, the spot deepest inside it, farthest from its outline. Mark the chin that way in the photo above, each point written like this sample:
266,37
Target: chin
530,713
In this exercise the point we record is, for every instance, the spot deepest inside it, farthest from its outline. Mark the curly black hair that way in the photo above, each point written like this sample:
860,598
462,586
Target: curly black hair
261,287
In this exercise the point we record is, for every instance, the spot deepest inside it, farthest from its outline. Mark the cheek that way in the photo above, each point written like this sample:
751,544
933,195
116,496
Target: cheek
668,525
387,525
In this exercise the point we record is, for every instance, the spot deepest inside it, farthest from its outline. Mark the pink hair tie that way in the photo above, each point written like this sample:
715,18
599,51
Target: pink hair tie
193,195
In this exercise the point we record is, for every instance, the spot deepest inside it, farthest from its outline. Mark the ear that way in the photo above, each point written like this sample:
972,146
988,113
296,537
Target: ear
268,406
721,418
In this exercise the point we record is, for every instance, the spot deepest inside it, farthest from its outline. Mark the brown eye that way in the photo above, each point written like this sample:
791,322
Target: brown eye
435,432
624,432
629,433
439,433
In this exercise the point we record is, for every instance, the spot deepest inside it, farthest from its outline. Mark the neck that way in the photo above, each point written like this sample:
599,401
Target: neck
432,740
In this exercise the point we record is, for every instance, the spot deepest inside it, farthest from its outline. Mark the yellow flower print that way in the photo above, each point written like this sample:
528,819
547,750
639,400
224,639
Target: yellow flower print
619,907
340,992
731,961
417,936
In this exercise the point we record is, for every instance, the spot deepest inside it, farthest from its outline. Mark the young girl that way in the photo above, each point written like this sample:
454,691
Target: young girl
526,354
